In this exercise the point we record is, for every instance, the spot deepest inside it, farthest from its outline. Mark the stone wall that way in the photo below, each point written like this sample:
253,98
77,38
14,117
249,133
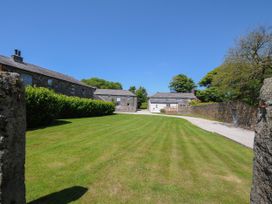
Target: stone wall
238,113
12,139
59,86
125,103
262,170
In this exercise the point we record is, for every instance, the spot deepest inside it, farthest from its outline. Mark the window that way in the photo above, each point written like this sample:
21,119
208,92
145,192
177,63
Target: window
118,101
26,79
73,89
50,82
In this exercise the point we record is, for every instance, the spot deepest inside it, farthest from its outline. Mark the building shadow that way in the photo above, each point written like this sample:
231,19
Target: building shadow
64,196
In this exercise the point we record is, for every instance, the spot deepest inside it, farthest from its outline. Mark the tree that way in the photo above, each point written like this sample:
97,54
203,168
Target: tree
102,83
182,83
141,94
234,80
254,50
207,80
132,89
211,94
246,66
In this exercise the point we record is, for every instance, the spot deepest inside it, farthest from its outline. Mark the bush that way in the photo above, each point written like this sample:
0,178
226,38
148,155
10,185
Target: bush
44,105
211,94
143,105
162,111
74,107
199,103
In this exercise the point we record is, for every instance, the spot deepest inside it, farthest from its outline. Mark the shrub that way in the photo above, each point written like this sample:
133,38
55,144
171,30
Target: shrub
162,111
74,107
143,105
199,103
194,102
44,105
211,94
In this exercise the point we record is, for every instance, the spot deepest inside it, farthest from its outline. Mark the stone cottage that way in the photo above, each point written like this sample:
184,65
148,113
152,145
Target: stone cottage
125,100
37,76
169,101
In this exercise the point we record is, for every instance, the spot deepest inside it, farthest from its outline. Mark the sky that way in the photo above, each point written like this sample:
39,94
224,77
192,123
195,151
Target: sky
135,42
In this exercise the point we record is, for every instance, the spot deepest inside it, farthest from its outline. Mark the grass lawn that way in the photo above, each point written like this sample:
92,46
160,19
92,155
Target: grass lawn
134,159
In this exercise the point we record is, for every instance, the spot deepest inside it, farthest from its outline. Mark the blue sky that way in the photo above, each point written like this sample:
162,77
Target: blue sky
135,42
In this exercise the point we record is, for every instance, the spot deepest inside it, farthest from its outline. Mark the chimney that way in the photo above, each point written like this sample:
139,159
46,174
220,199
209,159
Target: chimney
17,56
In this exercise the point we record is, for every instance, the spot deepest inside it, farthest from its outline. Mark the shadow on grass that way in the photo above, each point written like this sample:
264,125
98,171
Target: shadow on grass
64,196
52,124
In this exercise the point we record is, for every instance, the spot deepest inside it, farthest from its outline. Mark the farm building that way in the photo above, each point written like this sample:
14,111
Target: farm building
37,76
169,101
125,100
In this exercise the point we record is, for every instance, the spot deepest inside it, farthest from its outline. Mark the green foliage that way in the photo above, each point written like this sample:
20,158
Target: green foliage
242,74
236,82
132,89
144,105
210,94
182,83
207,80
75,107
141,94
102,83
199,103
44,105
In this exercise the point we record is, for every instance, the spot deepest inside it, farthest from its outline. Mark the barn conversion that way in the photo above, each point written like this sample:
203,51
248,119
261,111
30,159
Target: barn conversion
173,101
37,76
124,100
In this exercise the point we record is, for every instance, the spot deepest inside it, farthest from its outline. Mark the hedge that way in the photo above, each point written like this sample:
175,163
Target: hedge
44,105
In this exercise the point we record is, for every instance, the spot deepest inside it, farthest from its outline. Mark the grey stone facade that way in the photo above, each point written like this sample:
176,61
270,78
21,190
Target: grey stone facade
125,100
237,113
261,192
41,77
12,139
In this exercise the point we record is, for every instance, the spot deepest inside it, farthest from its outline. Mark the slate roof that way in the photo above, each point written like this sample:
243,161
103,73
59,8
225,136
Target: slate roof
163,95
39,70
113,92
172,98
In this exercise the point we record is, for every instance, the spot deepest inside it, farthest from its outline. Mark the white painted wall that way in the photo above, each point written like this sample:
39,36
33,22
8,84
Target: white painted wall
156,108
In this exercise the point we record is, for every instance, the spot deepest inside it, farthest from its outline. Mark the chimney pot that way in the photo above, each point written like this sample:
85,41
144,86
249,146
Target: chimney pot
17,56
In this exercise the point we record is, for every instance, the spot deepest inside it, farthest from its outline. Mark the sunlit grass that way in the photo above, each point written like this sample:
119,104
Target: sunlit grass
135,159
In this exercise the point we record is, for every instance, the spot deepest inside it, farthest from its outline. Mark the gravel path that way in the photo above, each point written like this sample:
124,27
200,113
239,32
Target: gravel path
240,135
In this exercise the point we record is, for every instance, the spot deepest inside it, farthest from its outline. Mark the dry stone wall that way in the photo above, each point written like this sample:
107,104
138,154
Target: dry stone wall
238,113
12,139
262,170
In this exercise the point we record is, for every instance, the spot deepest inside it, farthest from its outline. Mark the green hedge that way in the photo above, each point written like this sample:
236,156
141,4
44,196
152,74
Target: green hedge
144,105
44,105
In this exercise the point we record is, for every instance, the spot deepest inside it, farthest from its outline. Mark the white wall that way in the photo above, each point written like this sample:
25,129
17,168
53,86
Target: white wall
156,108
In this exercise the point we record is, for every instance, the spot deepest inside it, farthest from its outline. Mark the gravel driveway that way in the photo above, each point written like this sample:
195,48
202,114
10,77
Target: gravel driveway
240,135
